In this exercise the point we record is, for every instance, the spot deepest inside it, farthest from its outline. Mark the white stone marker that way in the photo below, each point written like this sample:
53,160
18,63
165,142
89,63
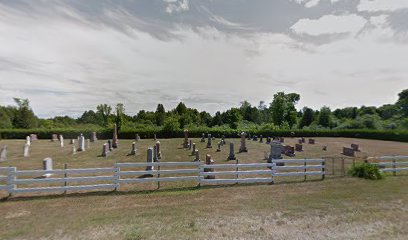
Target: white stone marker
105,149
149,159
26,150
61,138
3,154
47,165
81,143
28,140
133,151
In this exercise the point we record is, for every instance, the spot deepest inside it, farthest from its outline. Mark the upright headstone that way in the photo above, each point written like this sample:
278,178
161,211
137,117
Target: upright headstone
158,149
282,140
197,156
110,145
47,166
154,137
54,137
324,148
231,155
33,137
155,154
355,147
311,141
185,143
276,151
255,138
209,141
137,138
268,140
219,147
105,149
73,150
26,150
133,151
203,137
243,147
81,143
223,140
300,141
209,161
261,139
149,159
61,139
115,140
289,151
299,147
88,143
348,151
72,141
190,144
303,140
28,140
194,148
3,154
94,138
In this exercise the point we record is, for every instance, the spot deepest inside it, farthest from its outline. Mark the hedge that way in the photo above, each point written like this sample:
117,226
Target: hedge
105,133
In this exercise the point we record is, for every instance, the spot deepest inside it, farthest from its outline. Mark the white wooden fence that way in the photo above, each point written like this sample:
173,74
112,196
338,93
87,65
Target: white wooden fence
16,181
392,164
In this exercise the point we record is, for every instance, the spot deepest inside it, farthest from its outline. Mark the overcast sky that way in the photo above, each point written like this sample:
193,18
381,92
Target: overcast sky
69,56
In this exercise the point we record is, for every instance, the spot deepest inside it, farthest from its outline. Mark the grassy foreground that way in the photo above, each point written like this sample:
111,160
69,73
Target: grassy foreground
337,208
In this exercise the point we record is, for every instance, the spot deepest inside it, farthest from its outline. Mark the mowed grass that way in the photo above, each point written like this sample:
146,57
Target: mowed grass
336,208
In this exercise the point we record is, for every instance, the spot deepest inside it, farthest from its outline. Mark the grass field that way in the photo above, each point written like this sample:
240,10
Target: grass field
336,208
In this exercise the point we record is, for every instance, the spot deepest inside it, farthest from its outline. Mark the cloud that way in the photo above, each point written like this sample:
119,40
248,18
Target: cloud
330,24
382,5
176,6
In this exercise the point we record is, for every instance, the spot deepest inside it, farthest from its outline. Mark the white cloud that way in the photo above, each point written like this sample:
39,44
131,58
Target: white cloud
312,3
177,6
329,24
382,5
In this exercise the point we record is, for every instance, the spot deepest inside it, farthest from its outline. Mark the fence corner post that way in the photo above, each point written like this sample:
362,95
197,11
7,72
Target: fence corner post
11,177
65,176
323,169
117,177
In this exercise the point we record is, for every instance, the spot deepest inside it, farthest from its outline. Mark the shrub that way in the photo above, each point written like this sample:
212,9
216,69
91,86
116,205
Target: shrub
367,171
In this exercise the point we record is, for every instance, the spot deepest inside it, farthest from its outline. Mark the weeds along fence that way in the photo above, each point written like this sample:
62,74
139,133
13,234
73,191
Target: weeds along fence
392,164
13,181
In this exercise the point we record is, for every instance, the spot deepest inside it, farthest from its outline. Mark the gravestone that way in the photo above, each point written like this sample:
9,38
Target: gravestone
324,148
115,140
268,140
137,138
47,166
105,149
28,140
54,137
300,141
209,141
194,148
282,140
299,147
81,143
133,151
355,147
94,138
231,155
223,140
243,147
33,137
185,138
255,138
348,151
72,141
202,137
219,147
3,154
303,140
289,151
61,139
190,144
261,139
110,145
158,149
312,141
26,150
88,143
276,152
154,137
209,161
197,156
73,150
155,154
149,159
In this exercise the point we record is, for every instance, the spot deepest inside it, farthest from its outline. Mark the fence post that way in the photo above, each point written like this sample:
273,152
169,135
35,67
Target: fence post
343,169
323,169
158,176
394,172
273,171
199,174
65,176
237,169
117,177
10,180
305,171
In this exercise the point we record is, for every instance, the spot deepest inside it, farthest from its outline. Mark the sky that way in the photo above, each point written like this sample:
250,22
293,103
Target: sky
67,57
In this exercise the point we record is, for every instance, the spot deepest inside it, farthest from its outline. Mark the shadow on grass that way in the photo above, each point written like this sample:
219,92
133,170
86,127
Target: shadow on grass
143,192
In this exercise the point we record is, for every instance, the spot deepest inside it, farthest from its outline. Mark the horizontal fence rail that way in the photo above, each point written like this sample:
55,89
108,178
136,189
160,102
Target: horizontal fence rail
392,164
30,181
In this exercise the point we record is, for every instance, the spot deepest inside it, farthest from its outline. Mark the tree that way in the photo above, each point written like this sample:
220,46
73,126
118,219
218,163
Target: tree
181,108
91,117
307,118
171,124
283,108
105,111
120,115
5,119
402,102
217,120
324,119
24,116
160,115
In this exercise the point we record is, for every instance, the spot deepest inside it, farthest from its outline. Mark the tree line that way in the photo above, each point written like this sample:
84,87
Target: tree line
280,114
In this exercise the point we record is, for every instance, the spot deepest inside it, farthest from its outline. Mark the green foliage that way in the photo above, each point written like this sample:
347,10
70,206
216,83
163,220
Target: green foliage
104,110
160,115
283,108
24,117
171,125
402,102
367,171
307,118
324,118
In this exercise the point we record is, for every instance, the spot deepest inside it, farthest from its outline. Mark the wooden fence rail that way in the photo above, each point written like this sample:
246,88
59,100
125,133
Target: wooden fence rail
13,180
392,164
